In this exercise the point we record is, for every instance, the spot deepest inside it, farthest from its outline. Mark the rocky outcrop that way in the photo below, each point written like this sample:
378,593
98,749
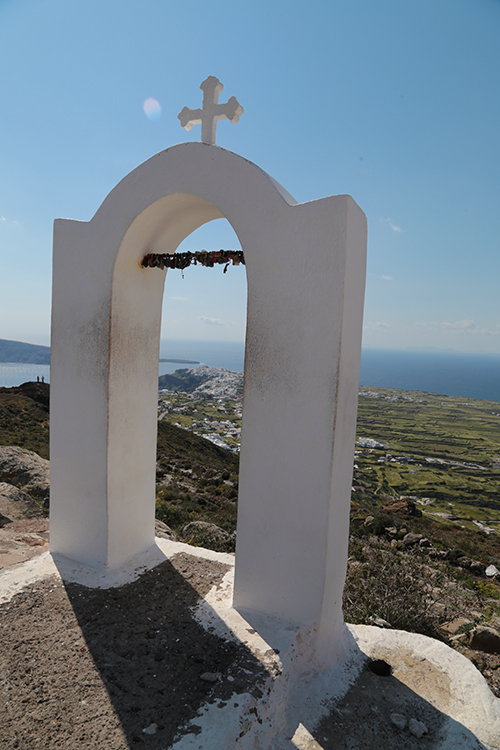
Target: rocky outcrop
402,505
38,392
473,566
26,470
202,534
401,539
16,505
165,532
411,539
484,638
23,540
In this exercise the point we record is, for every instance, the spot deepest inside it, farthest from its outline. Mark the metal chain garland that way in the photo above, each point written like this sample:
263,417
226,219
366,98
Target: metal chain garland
203,257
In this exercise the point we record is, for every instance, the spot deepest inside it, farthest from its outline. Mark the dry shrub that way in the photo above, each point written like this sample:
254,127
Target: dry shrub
392,585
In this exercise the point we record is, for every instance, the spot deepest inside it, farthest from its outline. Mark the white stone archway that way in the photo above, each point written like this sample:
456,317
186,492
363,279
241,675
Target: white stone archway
306,271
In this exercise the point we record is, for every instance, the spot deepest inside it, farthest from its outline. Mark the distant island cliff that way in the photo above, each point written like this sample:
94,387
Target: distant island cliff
17,351
33,354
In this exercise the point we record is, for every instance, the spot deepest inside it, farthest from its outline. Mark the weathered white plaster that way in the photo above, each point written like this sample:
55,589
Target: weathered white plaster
301,688
468,702
305,270
15,578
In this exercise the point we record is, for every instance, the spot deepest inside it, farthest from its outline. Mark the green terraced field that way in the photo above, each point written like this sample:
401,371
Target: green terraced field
442,448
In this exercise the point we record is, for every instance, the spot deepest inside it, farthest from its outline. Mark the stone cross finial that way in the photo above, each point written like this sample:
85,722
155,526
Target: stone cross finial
212,111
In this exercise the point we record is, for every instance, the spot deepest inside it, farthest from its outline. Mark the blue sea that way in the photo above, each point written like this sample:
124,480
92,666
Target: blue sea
449,373
227,354
15,373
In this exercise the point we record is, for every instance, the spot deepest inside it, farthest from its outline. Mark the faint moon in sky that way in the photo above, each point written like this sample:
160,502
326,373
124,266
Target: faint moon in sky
152,109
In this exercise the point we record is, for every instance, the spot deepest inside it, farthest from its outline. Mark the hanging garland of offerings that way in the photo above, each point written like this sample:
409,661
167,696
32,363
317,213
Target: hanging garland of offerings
203,257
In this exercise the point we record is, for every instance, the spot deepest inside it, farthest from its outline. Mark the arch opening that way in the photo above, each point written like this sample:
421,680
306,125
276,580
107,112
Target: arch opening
136,312
202,304
203,315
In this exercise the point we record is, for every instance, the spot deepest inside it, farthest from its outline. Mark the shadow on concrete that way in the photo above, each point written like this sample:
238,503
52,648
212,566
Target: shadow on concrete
362,718
93,668
154,659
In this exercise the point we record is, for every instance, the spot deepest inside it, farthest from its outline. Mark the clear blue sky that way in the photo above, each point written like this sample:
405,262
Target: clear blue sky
396,103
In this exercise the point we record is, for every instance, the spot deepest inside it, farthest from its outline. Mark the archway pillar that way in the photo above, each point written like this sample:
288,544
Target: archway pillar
302,362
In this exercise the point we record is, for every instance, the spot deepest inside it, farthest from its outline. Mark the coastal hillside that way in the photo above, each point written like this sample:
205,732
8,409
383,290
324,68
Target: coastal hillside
197,480
24,417
424,551
17,351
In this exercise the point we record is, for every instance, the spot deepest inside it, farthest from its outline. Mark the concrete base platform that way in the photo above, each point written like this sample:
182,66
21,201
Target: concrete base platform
434,697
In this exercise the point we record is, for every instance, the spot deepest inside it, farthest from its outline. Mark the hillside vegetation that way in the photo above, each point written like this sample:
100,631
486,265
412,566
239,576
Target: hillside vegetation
425,506
196,480
24,417
442,451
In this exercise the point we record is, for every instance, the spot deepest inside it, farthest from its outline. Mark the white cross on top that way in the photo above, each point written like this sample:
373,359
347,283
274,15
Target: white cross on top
212,111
